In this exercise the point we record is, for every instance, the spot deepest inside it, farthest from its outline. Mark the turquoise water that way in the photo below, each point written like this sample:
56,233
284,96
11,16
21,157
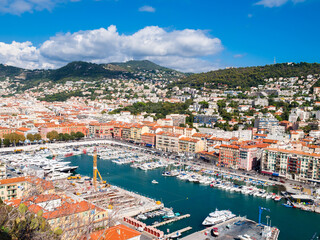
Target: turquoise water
199,200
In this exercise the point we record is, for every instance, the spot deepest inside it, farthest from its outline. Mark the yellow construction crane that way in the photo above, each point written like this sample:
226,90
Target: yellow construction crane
95,170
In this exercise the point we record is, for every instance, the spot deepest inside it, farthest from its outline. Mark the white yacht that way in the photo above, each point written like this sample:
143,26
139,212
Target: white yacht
218,216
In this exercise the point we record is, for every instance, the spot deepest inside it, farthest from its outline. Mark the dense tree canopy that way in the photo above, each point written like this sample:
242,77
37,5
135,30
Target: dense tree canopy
246,77
161,108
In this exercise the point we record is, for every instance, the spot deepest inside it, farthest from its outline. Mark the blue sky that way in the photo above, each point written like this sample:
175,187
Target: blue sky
187,35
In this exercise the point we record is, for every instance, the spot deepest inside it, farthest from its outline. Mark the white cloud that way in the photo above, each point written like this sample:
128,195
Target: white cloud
22,55
185,64
147,9
179,49
276,3
17,7
239,55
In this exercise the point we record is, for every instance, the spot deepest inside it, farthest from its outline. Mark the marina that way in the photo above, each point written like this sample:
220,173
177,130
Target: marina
198,199
143,183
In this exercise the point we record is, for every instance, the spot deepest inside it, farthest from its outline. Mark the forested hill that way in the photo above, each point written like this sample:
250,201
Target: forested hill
89,71
8,71
246,77
74,70
135,65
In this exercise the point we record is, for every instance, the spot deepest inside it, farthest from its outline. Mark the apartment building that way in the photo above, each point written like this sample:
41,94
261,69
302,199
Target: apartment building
168,142
136,131
244,155
3,170
203,137
177,119
291,164
229,156
15,188
267,122
12,188
191,145
126,133
62,128
100,130
148,139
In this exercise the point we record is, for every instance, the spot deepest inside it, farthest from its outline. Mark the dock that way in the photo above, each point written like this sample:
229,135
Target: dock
178,232
171,220
235,227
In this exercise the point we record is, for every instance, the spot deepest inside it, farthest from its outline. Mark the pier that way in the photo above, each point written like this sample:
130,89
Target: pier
171,220
235,227
170,235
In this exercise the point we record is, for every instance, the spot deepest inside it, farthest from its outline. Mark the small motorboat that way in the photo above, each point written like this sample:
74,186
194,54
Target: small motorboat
178,234
288,204
154,182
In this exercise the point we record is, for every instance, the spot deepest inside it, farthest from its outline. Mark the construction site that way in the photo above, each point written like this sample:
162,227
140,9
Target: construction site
121,204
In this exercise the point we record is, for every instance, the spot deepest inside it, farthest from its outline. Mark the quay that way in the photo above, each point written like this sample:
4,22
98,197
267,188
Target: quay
176,233
171,220
235,229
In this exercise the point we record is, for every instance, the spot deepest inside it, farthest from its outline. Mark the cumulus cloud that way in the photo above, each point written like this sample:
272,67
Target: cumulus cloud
239,55
276,3
17,7
22,55
179,49
147,9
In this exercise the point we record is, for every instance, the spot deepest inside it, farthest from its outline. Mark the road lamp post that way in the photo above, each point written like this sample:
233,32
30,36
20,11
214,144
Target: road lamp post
267,217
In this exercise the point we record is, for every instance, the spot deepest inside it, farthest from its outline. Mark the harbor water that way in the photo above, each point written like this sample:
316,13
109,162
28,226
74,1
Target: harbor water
199,200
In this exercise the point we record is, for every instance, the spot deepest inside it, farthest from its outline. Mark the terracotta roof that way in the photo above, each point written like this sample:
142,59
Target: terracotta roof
148,134
23,129
200,135
43,198
13,180
229,146
269,141
169,134
260,135
293,152
189,139
119,232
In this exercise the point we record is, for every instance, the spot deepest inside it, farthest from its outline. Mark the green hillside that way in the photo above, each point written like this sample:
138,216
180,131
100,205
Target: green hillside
8,71
246,77
135,65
